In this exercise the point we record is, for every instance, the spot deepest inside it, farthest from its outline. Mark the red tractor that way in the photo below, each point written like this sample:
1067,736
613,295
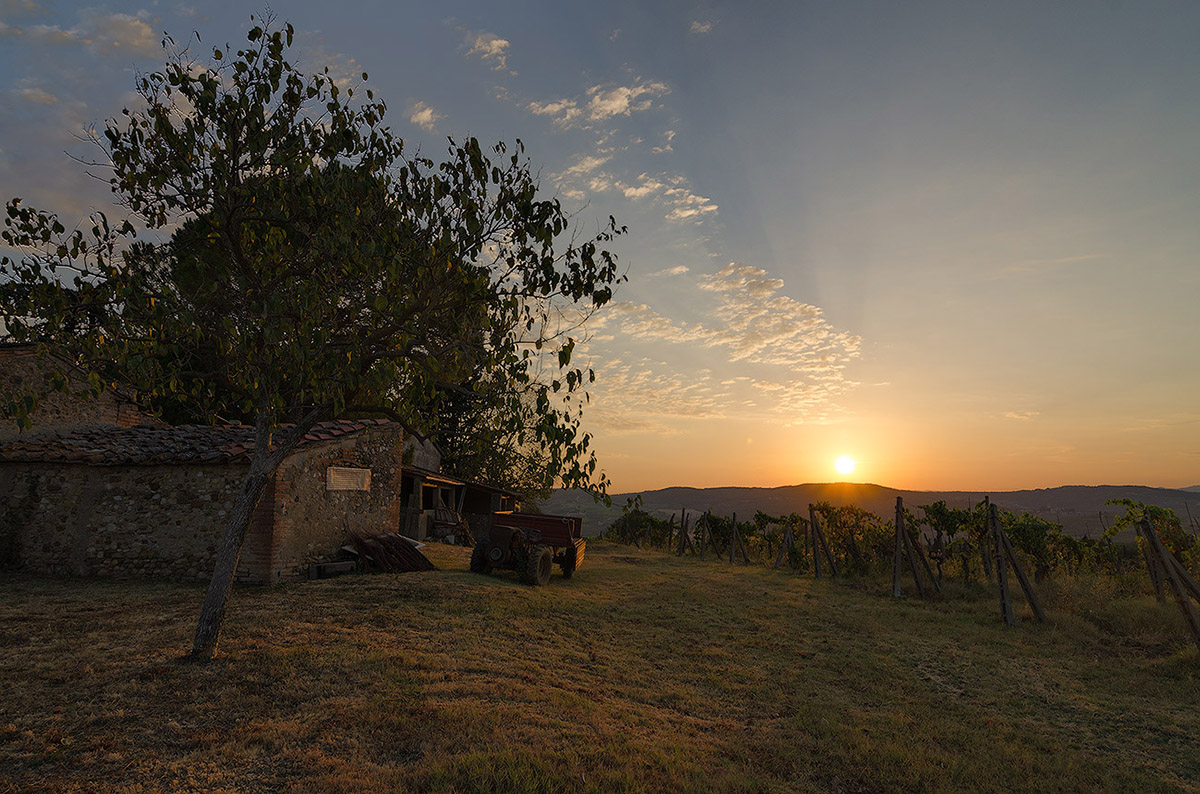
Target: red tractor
530,545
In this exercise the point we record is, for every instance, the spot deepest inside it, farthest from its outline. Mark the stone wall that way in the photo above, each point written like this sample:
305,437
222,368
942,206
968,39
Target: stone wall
21,373
119,521
311,522
75,519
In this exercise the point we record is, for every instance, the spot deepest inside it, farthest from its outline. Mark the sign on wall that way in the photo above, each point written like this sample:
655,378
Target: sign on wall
344,478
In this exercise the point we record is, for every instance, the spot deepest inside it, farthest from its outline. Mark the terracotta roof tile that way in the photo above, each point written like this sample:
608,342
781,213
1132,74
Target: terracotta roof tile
147,444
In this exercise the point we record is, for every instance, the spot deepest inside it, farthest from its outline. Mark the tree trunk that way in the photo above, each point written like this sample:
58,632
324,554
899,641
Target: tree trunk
212,614
262,467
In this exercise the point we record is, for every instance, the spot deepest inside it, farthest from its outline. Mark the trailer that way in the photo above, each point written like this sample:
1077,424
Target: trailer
531,544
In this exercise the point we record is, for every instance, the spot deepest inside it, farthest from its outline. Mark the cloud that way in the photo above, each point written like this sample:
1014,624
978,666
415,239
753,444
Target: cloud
36,96
700,28
121,32
638,396
607,102
490,48
425,117
20,7
669,135
563,111
687,205
683,203
1023,416
100,33
678,270
756,326
586,165
647,186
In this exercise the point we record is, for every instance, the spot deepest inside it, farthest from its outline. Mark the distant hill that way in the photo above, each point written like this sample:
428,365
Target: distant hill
1081,509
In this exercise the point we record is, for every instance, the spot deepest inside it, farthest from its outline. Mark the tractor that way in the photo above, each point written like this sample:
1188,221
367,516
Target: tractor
530,544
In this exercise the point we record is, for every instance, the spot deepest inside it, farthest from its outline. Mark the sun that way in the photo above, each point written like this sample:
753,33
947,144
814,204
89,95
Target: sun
845,465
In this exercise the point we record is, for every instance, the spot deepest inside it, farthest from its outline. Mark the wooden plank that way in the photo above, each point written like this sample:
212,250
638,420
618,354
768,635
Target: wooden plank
1030,595
897,564
1006,610
1185,604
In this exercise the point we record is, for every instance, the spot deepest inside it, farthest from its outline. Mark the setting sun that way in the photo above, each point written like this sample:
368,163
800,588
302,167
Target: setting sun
845,465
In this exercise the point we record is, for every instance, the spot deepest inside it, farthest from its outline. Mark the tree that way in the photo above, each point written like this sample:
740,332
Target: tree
310,269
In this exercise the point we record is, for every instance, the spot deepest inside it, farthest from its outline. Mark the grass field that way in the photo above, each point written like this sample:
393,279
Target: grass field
642,673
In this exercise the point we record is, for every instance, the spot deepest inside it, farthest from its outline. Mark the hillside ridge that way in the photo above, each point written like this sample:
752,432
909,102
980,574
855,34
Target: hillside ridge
1081,509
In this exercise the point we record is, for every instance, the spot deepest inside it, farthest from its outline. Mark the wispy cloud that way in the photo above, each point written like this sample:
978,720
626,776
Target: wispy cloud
424,116
607,101
99,32
678,270
755,325
36,95
490,48
646,186
20,7
700,28
687,205
668,136
682,203
641,396
1022,416
562,111
586,164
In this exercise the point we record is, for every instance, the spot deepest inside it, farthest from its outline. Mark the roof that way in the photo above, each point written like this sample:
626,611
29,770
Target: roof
153,444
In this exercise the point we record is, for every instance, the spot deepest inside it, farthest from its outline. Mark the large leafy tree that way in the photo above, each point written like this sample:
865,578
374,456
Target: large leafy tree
286,261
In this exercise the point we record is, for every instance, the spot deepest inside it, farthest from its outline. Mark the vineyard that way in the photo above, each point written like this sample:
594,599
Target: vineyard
974,546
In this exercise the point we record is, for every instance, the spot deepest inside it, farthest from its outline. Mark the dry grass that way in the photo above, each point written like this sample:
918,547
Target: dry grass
643,673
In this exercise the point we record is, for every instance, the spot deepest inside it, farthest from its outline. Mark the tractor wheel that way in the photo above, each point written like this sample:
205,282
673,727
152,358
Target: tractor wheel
479,557
568,563
538,566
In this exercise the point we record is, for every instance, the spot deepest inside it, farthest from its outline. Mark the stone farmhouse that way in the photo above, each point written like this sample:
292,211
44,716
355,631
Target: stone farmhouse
97,488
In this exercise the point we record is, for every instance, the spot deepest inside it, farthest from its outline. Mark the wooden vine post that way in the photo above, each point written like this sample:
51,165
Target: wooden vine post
737,544
685,538
786,546
906,547
812,530
820,544
1180,581
896,560
1152,565
1006,610
1006,555
733,539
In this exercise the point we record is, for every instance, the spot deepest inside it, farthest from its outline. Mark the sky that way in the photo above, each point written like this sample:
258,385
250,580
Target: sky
954,241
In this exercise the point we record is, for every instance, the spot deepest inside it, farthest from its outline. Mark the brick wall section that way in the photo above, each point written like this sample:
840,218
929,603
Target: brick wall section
76,519
21,372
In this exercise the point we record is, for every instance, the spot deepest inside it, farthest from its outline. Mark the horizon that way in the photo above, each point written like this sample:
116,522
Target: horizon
893,488
953,243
